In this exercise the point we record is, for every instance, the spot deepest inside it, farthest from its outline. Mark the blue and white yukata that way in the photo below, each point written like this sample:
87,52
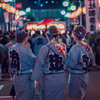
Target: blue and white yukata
76,60
50,64
21,62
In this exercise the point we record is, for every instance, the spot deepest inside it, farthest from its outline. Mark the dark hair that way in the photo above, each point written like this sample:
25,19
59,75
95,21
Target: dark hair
12,36
87,34
21,34
77,31
37,32
20,37
55,36
53,29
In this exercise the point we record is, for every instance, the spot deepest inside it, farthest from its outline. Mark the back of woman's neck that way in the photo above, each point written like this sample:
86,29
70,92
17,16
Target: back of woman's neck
54,42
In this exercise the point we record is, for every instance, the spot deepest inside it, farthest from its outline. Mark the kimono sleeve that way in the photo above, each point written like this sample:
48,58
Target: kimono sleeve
30,57
39,63
72,57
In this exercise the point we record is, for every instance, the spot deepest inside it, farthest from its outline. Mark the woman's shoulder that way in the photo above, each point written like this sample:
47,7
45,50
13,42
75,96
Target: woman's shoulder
76,46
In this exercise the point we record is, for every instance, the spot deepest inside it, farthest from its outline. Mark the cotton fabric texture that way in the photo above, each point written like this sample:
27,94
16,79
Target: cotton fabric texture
77,83
53,81
24,88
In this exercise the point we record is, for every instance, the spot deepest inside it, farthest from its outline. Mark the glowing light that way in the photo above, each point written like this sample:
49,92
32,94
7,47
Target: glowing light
67,15
99,25
76,25
3,5
73,7
35,27
0,4
46,1
35,2
63,12
65,3
32,32
75,13
17,12
17,17
9,9
41,5
84,10
41,32
62,31
13,9
22,13
79,0
24,18
52,1
99,3
28,9
7,0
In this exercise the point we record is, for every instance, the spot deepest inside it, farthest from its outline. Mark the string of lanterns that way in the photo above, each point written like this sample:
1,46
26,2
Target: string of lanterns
77,12
13,10
10,9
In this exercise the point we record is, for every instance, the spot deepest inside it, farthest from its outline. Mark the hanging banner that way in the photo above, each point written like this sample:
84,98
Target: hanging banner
98,15
91,15
6,17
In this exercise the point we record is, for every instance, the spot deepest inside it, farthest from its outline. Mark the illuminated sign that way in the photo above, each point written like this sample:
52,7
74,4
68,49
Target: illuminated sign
18,5
34,26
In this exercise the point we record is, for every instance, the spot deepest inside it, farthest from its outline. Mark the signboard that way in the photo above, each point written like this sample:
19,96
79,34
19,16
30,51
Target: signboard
61,25
74,22
6,17
18,5
91,15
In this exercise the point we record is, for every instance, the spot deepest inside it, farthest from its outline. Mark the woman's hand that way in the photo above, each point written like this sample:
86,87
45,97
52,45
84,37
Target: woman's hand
27,44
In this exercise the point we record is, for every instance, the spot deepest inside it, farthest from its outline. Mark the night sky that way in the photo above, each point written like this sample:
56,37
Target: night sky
35,4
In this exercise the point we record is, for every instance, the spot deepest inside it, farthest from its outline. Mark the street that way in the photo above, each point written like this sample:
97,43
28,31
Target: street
92,92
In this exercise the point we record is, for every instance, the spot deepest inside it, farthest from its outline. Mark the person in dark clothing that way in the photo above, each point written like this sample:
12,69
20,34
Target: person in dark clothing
96,49
38,42
3,39
2,57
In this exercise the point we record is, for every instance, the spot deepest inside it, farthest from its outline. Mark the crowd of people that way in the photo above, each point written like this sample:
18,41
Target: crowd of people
47,57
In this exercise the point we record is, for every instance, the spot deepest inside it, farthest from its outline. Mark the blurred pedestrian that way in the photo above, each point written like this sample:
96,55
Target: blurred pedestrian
77,61
3,38
38,42
96,48
2,57
50,64
10,43
21,62
6,49
87,37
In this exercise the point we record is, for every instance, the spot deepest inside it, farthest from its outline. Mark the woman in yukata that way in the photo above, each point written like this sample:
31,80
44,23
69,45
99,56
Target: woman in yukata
21,60
50,64
77,61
